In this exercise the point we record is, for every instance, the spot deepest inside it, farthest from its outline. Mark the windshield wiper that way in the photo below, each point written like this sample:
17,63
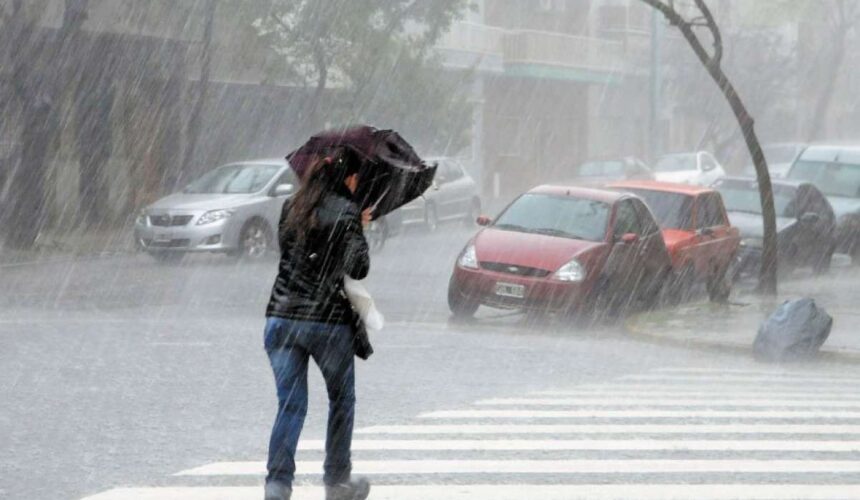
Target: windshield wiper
513,227
557,232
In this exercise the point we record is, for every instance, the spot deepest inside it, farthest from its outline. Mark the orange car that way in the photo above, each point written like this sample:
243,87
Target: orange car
701,241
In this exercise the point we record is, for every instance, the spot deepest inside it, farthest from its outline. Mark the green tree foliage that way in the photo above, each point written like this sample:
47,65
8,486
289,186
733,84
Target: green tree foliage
372,61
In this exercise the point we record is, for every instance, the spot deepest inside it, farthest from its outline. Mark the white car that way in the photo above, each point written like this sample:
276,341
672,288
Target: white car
699,168
454,196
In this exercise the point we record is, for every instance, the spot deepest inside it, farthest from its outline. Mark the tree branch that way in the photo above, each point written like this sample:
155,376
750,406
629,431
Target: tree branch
715,31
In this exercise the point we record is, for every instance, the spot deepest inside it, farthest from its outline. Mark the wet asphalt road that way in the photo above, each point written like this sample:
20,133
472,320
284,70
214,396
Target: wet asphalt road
121,372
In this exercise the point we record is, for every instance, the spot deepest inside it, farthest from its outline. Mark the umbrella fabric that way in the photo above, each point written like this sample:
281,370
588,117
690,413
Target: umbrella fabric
392,174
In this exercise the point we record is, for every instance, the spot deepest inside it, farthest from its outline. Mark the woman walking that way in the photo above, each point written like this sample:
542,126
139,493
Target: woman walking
308,316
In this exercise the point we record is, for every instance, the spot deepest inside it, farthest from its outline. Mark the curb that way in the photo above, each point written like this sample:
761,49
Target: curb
737,348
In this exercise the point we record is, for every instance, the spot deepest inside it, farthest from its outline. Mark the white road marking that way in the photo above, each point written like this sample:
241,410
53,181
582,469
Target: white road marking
584,466
771,379
513,492
740,414
560,429
710,392
645,400
593,444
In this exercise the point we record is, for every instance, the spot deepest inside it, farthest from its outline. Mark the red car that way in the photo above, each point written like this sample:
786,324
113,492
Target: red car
562,249
700,239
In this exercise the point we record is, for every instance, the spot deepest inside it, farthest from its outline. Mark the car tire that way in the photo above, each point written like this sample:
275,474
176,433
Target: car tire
255,240
462,306
719,286
472,215
168,257
431,218
822,264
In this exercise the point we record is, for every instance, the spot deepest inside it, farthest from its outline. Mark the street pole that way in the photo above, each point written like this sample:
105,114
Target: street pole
654,146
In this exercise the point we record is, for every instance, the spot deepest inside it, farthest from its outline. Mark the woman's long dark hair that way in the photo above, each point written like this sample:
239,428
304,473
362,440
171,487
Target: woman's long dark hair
328,173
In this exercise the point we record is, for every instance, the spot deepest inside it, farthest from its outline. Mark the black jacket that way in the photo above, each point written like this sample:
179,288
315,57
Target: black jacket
310,275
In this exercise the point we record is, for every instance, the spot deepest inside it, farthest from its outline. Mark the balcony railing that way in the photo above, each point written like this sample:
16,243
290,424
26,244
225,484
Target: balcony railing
555,49
473,37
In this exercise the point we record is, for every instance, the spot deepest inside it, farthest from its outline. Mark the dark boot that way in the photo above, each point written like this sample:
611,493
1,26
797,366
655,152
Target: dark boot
351,490
278,491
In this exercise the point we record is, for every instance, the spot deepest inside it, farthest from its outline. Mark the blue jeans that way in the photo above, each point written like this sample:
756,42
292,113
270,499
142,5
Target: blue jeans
289,344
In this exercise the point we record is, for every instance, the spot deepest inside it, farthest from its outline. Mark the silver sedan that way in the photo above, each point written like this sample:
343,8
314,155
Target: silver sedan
233,209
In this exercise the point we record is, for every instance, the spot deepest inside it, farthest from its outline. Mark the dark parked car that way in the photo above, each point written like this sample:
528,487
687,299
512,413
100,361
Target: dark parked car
597,172
563,249
454,196
835,170
806,225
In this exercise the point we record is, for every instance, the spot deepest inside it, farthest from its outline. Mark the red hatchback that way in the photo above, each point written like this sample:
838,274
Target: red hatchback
562,249
700,239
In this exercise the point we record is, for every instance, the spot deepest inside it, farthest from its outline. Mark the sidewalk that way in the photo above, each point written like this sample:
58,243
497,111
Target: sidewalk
53,246
733,327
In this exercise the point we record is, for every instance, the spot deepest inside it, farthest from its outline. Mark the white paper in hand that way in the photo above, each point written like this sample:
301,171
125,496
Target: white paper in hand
363,303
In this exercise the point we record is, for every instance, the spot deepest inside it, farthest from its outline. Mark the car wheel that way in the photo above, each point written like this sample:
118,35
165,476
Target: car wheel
431,217
474,212
168,257
719,286
255,240
822,263
682,285
376,234
461,304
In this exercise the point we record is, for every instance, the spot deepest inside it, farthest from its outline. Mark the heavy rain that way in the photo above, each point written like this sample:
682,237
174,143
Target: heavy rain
424,249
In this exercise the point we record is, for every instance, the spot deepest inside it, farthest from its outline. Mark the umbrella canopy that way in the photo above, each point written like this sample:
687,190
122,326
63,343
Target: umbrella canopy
391,174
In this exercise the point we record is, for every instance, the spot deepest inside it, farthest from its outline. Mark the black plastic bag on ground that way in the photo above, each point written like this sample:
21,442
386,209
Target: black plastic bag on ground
795,331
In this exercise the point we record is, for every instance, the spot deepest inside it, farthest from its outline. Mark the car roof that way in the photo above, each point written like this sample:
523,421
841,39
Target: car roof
795,183
603,195
669,187
832,150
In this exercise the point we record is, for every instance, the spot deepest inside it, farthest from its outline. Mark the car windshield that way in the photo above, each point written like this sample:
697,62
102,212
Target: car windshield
671,210
743,196
563,216
780,154
833,179
610,168
233,179
676,163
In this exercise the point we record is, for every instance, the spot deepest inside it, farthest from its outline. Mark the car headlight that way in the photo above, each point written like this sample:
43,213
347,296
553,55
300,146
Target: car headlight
573,271
142,219
469,258
214,216
752,242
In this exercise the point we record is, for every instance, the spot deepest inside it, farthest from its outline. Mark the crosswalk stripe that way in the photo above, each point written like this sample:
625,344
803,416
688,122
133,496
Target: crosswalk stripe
584,466
562,429
710,392
512,492
740,414
649,401
784,379
592,445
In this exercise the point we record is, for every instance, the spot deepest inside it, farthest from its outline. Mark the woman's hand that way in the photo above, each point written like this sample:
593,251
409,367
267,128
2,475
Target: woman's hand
366,216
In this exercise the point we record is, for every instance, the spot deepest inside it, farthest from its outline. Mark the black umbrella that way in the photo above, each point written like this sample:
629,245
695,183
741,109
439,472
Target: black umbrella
391,175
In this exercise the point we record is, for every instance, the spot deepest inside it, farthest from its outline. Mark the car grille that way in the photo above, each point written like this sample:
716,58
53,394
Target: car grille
499,267
166,220
169,244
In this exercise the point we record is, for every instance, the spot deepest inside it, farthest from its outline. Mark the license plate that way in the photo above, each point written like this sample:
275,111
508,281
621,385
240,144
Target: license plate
510,290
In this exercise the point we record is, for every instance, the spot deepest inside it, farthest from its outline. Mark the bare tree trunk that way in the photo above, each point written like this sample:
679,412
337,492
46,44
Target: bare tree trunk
194,122
768,276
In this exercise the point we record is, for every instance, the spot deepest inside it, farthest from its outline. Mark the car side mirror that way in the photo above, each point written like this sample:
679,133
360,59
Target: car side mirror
629,238
284,189
809,218
484,221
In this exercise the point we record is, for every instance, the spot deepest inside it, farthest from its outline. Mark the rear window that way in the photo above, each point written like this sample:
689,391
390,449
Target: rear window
563,216
671,210
743,196
676,163
833,179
